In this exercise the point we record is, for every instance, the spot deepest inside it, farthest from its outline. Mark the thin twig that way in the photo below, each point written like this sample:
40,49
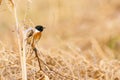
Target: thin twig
0,2
39,59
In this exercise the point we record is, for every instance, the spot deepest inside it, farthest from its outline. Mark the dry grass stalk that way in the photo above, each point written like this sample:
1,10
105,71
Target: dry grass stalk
22,55
56,72
12,3
97,47
0,2
36,54
23,60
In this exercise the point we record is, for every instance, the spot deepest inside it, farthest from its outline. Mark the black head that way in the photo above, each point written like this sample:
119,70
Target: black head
39,28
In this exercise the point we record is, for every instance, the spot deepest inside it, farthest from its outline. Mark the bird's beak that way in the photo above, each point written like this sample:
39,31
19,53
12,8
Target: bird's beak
44,27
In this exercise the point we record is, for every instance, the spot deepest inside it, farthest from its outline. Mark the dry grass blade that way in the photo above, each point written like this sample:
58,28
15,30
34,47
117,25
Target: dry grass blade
22,54
12,3
52,70
36,54
0,2
97,47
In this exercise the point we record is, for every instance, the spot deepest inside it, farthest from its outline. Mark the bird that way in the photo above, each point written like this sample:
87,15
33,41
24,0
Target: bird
33,35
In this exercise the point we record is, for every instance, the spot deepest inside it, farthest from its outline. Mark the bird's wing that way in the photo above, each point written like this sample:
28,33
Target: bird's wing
29,32
28,35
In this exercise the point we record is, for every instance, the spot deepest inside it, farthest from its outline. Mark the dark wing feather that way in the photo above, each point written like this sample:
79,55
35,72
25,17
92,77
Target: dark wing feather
29,33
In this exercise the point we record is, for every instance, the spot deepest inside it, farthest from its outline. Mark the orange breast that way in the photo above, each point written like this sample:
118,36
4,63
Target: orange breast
37,36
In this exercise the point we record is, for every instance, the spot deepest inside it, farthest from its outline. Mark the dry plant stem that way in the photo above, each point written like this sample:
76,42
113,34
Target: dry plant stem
22,57
27,10
36,53
57,72
24,69
35,50
0,2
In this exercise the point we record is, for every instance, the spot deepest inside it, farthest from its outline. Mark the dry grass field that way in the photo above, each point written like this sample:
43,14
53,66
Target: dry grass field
81,40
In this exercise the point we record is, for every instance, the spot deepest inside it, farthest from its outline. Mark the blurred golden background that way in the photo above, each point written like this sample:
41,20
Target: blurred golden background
76,22
81,39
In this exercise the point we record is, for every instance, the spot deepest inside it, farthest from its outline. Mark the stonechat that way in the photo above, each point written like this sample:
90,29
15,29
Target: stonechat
33,35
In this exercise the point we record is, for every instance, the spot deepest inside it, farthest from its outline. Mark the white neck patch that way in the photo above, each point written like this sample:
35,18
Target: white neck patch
37,30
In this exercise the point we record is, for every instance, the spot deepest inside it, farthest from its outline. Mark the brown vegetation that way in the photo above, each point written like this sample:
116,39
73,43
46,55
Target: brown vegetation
81,40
